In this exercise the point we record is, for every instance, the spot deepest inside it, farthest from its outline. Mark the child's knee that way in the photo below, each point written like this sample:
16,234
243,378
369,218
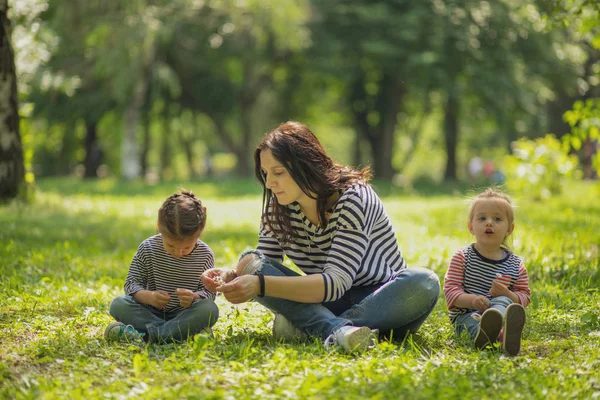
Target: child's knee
119,305
501,300
206,309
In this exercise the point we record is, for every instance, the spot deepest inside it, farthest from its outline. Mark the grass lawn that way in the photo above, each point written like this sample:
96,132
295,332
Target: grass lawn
65,257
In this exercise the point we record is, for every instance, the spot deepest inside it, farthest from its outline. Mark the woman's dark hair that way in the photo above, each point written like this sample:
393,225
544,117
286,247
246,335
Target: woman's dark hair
300,152
181,216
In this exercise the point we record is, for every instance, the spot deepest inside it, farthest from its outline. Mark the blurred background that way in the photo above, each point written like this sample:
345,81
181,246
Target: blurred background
427,91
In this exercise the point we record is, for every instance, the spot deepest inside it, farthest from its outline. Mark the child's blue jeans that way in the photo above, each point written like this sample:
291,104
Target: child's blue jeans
466,322
400,305
165,327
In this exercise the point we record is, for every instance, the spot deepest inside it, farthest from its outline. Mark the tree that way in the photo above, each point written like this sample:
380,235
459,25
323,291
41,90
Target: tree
12,169
70,89
381,50
228,56
582,19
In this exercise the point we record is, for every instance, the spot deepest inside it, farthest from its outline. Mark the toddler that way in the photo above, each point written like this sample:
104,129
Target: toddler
486,285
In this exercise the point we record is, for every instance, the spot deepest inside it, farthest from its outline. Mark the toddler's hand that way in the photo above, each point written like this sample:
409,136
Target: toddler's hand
186,297
160,299
480,303
499,288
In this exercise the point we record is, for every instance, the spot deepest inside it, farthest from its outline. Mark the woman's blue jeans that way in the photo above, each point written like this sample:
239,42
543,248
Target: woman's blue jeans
466,322
396,308
165,327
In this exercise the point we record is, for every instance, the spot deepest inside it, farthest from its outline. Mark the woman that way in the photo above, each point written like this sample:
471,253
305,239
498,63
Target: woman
328,220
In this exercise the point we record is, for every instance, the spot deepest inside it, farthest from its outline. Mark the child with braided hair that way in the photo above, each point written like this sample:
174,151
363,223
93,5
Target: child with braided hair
165,300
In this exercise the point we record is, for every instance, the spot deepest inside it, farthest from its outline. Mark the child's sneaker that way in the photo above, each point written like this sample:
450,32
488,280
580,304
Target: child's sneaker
352,338
207,332
514,321
118,331
284,330
489,328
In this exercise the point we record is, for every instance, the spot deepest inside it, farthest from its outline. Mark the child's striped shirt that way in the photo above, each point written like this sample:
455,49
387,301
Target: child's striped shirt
152,268
471,273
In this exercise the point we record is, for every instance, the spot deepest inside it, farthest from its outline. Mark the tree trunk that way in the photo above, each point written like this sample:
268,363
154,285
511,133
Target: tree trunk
93,153
145,143
244,168
227,139
130,167
187,144
165,147
130,162
392,96
65,163
381,135
254,84
415,133
12,169
208,155
451,133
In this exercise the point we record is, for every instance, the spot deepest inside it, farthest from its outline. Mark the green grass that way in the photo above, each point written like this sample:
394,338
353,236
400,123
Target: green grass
64,257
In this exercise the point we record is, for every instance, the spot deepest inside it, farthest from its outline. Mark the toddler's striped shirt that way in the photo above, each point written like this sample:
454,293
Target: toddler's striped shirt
471,273
152,268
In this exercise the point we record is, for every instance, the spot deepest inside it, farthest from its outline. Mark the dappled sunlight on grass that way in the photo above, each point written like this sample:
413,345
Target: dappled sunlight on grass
65,257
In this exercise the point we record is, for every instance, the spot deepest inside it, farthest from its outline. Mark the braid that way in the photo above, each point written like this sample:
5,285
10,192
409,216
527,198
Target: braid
182,215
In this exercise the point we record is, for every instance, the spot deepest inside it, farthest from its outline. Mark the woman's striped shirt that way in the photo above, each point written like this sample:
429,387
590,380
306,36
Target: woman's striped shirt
471,273
152,268
358,247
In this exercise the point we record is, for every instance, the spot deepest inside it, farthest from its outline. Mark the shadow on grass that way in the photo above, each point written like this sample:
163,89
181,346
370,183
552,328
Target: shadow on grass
229,187
86,245
220,188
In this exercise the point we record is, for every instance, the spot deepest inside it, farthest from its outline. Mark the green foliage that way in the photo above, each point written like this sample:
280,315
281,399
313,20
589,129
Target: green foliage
65,258
584,120
582,16
538,168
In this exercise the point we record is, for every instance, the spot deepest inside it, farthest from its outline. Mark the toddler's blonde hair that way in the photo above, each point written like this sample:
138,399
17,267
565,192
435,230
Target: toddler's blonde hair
502,200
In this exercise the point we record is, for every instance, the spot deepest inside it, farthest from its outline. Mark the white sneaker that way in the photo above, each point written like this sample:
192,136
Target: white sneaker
284,330
352,338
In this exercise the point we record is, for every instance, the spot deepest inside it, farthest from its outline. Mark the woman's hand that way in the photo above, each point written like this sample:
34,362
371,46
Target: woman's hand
160,299
215,277
186,297
480,303
241,289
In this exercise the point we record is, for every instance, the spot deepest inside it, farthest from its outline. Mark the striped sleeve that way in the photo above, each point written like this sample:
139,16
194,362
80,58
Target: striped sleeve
454,278
269,245
209,263
349,246
521,286
137,277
